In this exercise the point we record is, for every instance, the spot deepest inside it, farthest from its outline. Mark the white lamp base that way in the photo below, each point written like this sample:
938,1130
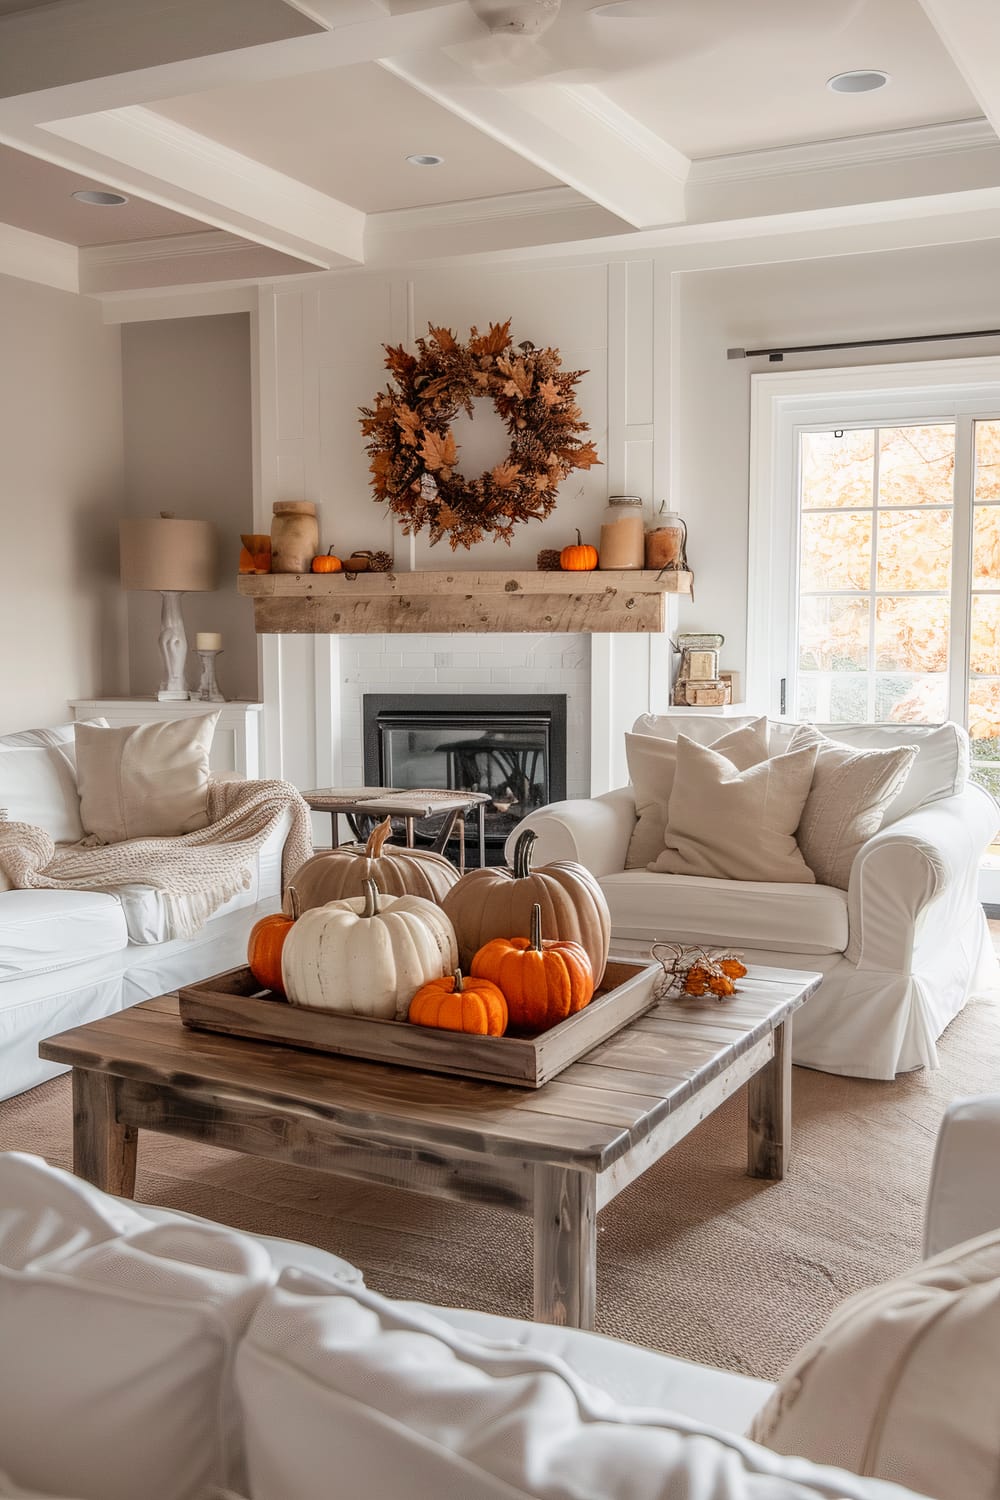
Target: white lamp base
173,648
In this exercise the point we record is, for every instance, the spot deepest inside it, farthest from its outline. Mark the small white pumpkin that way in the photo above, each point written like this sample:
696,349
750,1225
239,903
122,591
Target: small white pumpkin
368,955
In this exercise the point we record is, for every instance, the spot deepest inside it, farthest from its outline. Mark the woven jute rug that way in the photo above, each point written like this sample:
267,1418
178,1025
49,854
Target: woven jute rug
694,1258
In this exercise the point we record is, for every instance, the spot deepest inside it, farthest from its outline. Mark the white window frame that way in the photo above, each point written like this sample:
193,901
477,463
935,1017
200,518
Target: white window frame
782,407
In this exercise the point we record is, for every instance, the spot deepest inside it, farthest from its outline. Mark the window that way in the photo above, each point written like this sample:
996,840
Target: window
874,583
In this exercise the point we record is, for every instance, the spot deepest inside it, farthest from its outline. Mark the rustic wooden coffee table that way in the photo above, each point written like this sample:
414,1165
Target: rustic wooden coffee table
558,1153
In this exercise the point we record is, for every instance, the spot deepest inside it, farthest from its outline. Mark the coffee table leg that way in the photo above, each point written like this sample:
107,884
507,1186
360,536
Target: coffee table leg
104,1149
769,1110
565,1247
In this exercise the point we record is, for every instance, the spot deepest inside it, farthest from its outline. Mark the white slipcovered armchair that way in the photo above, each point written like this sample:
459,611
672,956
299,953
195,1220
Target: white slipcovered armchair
901,950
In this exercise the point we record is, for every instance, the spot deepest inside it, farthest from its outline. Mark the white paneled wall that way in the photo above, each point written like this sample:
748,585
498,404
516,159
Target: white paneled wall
320,358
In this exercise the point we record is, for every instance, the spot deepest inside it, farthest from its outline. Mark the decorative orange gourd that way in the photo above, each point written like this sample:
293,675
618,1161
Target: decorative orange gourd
336,874
456,1004
579,559
266,942
542,982
495,902
326,562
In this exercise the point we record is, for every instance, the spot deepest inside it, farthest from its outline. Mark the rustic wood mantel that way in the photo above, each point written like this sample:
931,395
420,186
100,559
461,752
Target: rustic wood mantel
391,603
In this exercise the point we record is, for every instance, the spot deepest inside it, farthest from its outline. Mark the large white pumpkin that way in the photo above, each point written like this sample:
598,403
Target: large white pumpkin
368,955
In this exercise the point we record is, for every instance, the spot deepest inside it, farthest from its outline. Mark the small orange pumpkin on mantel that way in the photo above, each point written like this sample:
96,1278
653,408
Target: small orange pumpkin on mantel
542,982
581,558
266,941
475,1006
327,562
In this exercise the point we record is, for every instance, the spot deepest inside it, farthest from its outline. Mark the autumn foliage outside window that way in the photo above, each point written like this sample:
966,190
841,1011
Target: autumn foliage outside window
877,617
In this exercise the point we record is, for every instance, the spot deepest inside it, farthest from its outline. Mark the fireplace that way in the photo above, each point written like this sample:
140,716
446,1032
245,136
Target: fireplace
511,746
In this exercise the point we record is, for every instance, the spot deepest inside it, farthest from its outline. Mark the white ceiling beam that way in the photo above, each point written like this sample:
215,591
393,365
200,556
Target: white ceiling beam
970,31
35,257
361,41
141,151
577,135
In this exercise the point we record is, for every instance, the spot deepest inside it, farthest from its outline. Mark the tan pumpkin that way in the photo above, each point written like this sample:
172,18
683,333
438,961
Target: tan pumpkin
496,902
542,982
336,874
367,956
266,942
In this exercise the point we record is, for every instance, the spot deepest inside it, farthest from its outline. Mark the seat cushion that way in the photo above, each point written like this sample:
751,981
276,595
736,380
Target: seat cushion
738,913
44,930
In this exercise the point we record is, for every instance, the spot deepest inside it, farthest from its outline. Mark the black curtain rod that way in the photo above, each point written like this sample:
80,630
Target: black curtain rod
778,354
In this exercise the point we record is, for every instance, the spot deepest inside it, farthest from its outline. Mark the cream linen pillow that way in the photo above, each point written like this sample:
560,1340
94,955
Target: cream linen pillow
901,1384
652,763
737,825
146,780
851,792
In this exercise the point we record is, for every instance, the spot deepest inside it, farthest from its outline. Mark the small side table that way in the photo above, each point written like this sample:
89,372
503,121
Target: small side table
411,805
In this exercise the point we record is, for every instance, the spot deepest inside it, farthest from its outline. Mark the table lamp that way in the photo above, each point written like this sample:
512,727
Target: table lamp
175,557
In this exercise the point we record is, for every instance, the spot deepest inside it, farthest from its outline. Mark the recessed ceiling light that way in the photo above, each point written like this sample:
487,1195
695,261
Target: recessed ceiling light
858,81
425,160
101,200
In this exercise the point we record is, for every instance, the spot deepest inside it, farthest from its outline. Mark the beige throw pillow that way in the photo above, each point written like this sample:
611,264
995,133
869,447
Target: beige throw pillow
851,792
652,762
737,825
901,1383
144,781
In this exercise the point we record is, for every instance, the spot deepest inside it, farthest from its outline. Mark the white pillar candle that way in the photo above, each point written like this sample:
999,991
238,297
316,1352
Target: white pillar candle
208,640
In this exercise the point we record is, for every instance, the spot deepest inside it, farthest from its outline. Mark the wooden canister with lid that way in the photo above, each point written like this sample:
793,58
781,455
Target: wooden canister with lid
294,536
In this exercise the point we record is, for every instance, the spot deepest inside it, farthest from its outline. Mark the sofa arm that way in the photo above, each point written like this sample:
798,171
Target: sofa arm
917,878
963,1199
594,831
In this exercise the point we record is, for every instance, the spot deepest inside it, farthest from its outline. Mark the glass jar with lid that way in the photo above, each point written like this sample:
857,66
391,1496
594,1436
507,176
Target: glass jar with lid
622,533
666,540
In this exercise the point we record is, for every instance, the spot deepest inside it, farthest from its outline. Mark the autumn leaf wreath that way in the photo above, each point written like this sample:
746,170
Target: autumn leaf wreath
413,451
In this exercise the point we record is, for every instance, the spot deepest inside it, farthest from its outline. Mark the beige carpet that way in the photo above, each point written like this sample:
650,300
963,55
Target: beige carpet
695,1258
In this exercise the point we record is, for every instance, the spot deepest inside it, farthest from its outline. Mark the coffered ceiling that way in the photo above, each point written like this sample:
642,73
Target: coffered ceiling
258,138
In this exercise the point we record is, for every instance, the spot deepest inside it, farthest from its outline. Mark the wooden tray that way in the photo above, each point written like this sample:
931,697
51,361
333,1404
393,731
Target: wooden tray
234,1004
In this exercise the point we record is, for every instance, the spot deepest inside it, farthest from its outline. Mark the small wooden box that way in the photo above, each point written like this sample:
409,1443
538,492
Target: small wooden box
704,694
235,1004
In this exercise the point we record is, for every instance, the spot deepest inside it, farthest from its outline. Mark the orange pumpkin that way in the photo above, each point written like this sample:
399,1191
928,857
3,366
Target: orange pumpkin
579,559
455,1004
266,941
327,563
496,902
542,982
336,874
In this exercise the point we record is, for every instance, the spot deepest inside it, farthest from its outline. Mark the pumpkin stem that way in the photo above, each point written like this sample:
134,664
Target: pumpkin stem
522,853
459,986
294,904
377,838
536,928
371,899
579,538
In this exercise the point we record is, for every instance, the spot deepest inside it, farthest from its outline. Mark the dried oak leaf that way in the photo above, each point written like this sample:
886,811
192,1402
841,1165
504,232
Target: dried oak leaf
399,362
582,457
550,392
409,425
443,337
439,452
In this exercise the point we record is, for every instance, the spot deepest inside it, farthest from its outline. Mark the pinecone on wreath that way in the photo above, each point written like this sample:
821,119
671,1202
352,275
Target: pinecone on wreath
547,560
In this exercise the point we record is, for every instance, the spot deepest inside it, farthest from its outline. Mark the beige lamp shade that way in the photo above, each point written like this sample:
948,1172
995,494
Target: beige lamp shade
164,553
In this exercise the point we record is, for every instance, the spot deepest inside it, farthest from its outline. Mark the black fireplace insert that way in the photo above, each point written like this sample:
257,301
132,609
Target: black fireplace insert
511,746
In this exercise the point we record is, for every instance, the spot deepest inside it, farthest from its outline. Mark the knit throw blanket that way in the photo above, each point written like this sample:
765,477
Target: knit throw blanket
197,872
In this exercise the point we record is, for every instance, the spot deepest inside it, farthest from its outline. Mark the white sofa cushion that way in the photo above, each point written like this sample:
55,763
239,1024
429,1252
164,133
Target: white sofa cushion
46,930
652,766
55,734
741,913
902,1382
737,825
38,786
124,1334
394,1401
145,780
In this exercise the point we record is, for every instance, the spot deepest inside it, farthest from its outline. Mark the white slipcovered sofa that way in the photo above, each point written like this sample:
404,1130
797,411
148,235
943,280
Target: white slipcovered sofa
901,950
153,1353
67,957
